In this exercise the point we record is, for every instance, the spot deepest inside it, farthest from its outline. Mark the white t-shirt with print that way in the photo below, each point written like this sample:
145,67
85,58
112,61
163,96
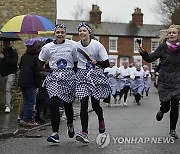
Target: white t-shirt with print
59,55
124,71
140,73
95,50
111,70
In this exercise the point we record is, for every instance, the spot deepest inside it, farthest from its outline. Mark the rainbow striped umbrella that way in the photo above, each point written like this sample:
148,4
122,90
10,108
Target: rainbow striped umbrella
28,24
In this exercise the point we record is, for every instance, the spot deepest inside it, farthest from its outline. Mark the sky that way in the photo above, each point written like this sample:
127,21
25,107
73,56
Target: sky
112,10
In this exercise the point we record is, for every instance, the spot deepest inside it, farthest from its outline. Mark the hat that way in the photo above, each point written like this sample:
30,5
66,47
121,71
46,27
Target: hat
112,61
145,66
63,26
83,24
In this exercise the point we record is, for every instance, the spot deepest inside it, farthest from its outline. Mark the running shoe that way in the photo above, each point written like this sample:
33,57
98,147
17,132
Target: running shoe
27,124
125,104
159,116
102,127
71,130
54,138
82,137
173,134
119,101
7,110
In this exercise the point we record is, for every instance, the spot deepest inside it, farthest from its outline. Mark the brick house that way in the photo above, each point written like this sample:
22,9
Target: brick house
119,39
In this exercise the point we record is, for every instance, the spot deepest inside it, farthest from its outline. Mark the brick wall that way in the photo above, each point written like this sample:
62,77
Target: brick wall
11,8
125,47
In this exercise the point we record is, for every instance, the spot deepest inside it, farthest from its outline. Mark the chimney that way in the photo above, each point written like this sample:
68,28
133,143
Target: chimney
137,17
95,14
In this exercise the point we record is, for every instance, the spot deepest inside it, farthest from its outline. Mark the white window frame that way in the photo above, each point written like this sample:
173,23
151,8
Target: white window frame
154,44
154,41
136,45
114,48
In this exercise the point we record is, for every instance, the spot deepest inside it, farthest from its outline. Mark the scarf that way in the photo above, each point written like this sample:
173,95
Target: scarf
173,46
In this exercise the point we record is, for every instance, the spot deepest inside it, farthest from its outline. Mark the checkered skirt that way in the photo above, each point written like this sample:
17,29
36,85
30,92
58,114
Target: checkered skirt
61,83
92,82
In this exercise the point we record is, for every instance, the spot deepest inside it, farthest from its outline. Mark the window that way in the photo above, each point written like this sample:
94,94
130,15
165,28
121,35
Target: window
136,44
113,44
154,44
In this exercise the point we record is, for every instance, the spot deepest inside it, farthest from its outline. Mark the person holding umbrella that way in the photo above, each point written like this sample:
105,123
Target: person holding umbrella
60,82
8,68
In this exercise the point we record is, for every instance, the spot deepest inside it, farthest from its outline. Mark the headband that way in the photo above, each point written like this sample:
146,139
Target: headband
83,24
60,26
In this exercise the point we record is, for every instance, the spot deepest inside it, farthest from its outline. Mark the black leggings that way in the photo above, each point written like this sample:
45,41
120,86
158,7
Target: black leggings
84,112
174,112
55,114
124,91
137,97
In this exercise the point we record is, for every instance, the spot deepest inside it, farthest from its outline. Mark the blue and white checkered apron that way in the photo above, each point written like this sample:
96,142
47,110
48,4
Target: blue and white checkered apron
92,82
113,84
123,82
137,86
147,83
61,83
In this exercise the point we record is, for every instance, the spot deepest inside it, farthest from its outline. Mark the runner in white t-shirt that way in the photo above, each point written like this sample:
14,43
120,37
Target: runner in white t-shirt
112,72
147,79
90,80
60,83
124,81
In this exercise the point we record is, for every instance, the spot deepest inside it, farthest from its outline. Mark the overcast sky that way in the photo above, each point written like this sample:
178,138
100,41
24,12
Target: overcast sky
112,10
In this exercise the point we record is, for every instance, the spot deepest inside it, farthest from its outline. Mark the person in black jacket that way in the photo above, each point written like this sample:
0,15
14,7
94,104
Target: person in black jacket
8,68
29,81
168,81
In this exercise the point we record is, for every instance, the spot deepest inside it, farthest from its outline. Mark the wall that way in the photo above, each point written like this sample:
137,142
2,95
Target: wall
125,47
11,8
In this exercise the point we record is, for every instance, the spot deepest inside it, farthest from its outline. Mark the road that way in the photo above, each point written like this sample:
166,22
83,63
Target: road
133,130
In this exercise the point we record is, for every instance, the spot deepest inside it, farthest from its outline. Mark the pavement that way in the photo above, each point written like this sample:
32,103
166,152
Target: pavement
9,126
133,129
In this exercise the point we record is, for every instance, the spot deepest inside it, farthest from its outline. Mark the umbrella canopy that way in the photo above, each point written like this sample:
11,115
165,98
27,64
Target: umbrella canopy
42,39
32,40
28,24
9,37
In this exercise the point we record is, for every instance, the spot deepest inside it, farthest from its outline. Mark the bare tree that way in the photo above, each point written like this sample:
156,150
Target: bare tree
80,12
168,11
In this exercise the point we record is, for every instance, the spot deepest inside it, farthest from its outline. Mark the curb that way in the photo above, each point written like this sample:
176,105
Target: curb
19,132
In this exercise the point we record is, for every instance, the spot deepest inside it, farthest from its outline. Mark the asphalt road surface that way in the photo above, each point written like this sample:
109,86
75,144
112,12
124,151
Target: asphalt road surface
132,129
